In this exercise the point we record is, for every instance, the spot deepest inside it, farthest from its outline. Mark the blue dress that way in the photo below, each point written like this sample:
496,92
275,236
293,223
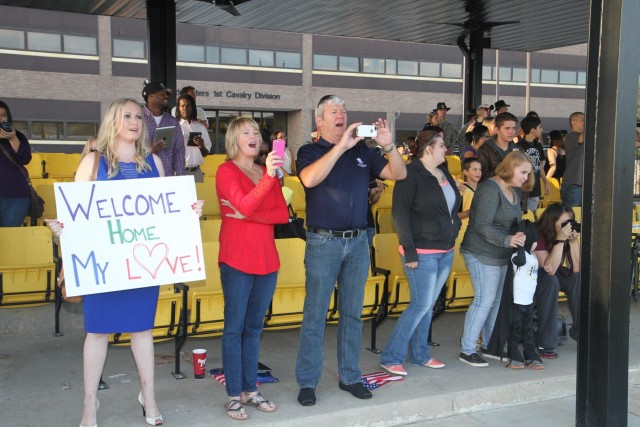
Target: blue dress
132,310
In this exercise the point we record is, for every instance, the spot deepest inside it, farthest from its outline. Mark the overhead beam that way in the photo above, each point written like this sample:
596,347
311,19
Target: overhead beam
161,29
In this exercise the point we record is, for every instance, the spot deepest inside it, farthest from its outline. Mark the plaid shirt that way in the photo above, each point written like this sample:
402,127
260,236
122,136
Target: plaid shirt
172,160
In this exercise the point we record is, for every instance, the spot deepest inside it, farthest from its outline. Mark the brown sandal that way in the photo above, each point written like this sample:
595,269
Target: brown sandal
235,410
259,401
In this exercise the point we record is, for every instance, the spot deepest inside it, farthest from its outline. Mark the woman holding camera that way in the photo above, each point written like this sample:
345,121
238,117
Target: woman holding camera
196,138
15,152
558,253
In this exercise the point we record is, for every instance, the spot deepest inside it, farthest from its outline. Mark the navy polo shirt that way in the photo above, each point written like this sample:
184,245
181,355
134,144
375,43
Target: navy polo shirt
340,202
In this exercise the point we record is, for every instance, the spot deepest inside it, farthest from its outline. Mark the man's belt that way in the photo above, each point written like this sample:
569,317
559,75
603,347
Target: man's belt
191,169
346,234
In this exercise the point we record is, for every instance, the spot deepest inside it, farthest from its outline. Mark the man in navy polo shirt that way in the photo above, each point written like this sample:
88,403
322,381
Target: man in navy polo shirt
336,172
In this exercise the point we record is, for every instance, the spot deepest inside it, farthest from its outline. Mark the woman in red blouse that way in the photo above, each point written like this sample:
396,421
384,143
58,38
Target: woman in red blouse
251,202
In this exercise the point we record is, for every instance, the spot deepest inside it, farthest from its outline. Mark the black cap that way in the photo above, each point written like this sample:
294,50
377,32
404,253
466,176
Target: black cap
153,87
500,103
442,106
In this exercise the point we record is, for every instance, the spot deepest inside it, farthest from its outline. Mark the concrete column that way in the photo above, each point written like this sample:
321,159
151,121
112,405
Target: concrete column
105,55
300,122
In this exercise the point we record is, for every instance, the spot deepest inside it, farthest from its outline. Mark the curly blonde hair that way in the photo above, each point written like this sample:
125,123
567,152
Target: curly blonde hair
109,129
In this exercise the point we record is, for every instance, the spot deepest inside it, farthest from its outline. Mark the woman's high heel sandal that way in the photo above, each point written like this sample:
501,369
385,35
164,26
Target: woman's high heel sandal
152,421
97,407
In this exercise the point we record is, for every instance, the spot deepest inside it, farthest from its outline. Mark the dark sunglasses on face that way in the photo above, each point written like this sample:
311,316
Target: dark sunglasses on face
263,153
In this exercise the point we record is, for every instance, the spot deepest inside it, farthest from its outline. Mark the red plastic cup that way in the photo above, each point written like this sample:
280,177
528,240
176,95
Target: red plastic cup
199,362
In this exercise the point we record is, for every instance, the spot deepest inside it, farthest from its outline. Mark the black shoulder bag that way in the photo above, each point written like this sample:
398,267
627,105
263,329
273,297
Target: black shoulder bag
292,229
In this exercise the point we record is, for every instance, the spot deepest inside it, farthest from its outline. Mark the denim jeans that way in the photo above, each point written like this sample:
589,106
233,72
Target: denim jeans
246,300
329,260
412,328
487,282
571,194
13,211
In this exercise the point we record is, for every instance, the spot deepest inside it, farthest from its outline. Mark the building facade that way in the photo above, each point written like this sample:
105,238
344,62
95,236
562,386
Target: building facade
60,71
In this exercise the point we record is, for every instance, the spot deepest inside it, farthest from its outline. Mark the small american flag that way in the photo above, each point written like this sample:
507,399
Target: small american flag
374,380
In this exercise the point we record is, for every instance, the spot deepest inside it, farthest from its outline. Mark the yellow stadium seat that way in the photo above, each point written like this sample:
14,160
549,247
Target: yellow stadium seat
207,191
206,300
577,211
539,212
455,165
46,192
62,165
459,289
288,299
384,203
35,166
384,223
27,269
386,256
554,197
529,215
210,230
298,202
211,163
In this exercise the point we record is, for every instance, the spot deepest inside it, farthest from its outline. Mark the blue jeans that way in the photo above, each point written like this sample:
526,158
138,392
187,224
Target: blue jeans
487,282
571,194
329,260
246,301
425,283
13,211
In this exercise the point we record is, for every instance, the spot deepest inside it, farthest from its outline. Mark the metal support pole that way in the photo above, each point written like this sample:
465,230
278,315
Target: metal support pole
612,87
527,91
161,29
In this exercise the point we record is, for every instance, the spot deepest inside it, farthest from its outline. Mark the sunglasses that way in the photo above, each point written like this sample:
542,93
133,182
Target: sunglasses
263,153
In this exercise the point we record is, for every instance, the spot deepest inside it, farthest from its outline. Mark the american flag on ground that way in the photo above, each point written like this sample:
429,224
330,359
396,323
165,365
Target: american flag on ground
374,380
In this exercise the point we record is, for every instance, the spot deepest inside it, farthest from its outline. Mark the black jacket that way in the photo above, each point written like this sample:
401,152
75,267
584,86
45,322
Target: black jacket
420,213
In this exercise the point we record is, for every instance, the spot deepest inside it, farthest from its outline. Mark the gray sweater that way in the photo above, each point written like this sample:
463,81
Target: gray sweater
490,219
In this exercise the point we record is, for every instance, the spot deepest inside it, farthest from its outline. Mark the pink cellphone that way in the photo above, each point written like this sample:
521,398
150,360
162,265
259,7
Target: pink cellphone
278,145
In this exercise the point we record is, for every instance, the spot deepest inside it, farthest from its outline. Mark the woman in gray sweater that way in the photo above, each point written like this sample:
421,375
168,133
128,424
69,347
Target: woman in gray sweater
487,246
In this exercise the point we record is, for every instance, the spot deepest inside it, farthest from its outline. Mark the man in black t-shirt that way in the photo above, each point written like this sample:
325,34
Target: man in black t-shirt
530,144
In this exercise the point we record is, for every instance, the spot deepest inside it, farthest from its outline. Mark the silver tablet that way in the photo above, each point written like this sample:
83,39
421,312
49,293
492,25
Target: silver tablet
167,135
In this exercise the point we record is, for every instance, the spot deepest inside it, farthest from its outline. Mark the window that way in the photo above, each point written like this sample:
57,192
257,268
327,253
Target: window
487,72
325,62
233,56
80,45
568,77
11,39
47,130
391,66
582,78
430,69
129,48
81,130
452,70
213,54
535,75
261,58
504,74
349,63
190,53
22,126
46,42
408,68
549,76
288,60
519,75
373,65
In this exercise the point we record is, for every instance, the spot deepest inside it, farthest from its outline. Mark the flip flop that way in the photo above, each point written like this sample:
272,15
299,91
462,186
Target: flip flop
235,410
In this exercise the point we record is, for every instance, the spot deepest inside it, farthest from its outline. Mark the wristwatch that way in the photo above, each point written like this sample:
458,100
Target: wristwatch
389,150
555,242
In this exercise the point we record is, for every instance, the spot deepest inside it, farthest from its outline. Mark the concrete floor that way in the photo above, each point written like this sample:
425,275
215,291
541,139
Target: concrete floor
41,382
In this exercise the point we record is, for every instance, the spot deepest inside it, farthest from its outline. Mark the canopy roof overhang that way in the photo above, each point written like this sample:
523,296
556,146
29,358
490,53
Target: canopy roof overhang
543,24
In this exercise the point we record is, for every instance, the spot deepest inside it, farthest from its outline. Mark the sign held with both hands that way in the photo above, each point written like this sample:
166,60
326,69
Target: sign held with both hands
126,234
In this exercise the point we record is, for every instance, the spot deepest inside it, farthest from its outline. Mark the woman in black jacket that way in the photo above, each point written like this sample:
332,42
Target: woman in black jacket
424,211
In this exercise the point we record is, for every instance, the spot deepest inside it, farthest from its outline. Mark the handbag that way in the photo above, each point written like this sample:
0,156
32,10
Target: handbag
292,229
36,207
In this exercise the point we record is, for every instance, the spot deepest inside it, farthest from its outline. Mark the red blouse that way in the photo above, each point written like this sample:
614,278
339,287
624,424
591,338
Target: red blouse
248,244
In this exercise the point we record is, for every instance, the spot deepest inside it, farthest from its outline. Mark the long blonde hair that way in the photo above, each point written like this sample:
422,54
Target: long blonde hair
109,129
